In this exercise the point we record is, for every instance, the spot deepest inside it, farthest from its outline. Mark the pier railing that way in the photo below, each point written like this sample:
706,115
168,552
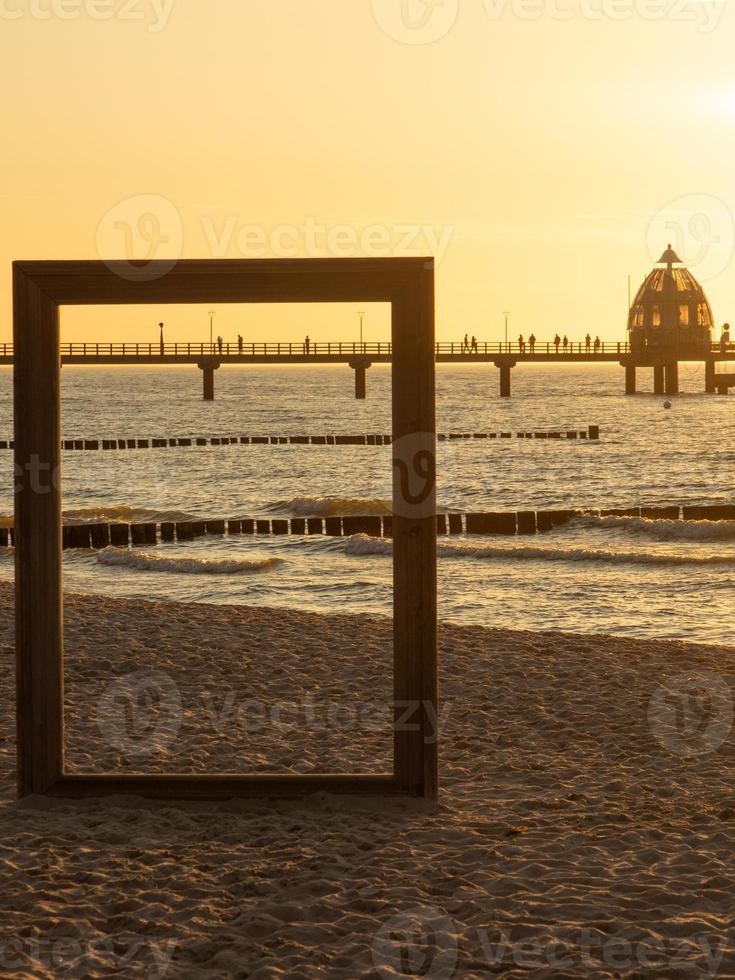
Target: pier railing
379,349
320,349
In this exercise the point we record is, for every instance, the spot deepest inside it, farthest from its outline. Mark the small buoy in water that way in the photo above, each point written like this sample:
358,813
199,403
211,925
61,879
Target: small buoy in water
667,404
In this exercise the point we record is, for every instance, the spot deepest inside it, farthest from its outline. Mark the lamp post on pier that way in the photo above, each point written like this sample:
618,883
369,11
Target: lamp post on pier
507,317
362,322
211,331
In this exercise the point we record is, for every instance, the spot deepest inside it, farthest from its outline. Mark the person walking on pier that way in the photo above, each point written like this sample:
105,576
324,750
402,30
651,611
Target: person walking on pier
474,348
557,341
239,344
532,342
521,344
598,344
220,344
588,343
565,343
466,343
307,344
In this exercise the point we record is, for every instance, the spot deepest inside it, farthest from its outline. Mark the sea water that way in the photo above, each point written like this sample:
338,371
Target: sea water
623,576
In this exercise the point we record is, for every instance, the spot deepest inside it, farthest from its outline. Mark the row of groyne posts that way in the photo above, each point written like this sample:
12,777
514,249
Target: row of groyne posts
592,433
508,524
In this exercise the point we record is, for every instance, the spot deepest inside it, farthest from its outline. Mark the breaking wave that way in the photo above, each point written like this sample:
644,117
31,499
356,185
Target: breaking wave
360,544
334,507
123,515
146,562
667,530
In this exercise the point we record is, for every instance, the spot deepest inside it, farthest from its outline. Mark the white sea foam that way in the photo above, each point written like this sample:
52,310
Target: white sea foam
146,562
360,544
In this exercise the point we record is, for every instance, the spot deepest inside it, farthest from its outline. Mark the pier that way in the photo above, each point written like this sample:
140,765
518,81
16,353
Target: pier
361,357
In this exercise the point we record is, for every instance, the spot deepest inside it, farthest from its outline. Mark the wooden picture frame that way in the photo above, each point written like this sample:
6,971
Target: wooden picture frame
39,289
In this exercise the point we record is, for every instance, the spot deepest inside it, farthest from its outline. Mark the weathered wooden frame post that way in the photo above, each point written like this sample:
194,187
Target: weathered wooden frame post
39,289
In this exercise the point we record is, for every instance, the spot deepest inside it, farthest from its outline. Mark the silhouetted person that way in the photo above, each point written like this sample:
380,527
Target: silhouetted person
239,344
521,343
532,342
565,343
475,349
725,338
557,341
597,345
466,343
588,342
307,344
220,343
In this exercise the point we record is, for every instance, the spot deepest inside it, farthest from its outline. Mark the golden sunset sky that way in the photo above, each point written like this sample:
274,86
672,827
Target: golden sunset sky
543,151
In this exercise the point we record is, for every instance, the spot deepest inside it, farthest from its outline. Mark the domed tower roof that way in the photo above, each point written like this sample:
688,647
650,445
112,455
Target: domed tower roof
670,307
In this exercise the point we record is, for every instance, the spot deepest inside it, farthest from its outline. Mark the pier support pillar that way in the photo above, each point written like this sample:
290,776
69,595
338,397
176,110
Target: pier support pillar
630,379
658,379
360,368
710,385
672,378
505,367
208,368
208,375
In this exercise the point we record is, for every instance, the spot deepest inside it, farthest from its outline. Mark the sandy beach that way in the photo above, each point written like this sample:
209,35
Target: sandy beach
586,825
